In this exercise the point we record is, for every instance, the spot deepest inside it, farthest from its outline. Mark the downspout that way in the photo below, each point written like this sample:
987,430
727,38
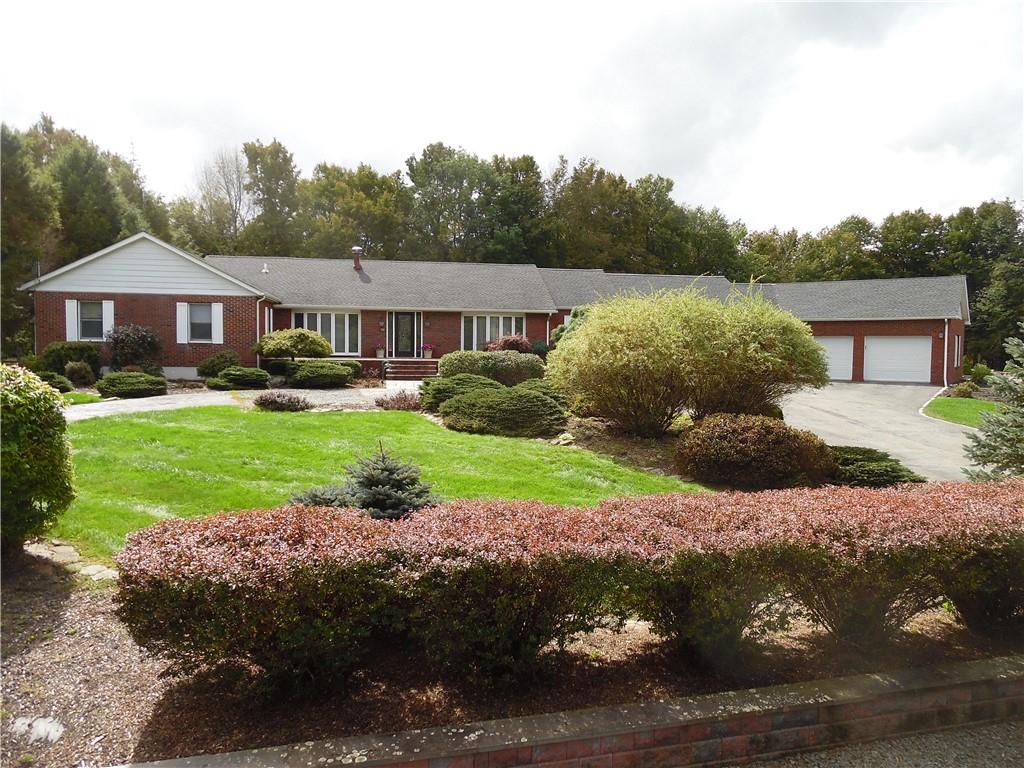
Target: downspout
945,355
261,298
547,329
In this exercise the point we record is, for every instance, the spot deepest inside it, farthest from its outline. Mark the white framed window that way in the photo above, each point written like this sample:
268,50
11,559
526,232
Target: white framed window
340,328
479,330
200,323
90,320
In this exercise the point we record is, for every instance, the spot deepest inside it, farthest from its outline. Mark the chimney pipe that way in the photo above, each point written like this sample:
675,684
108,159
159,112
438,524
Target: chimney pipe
357,255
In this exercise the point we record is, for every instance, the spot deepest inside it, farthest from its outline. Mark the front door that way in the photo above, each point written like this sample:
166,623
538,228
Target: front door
405,334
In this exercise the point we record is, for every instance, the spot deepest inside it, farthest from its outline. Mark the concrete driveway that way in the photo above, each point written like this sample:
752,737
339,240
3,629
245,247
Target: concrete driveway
883,416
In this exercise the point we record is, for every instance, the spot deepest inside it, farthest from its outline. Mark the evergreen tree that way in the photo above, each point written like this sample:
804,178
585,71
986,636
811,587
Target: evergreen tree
999,445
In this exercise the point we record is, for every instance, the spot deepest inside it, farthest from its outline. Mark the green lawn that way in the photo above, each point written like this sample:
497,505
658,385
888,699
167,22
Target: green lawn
960,410
132,471
78,398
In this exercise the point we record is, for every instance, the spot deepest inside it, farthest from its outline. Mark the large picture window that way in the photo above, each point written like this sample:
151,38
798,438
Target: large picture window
341,329
479,330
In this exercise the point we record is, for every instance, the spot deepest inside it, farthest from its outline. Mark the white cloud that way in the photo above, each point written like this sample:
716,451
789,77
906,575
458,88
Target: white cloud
792,115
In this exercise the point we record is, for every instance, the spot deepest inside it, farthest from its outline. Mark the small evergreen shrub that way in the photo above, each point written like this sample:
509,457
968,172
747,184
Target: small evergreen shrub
57,381
293,343
753,452
132,344
354,365
998,445
214,364
237,377
382,485
509,411
280,367
58,354
540,349
964,389
127,384
980,373
281,401
543,387
870,468
321,374
79,373
513,343
402,400
437,391
31,362
35,469
509,368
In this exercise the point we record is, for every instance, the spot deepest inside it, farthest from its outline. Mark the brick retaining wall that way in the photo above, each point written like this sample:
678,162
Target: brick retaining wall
714,729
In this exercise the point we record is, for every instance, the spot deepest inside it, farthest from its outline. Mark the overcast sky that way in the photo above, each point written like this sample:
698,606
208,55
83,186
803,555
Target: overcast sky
787,115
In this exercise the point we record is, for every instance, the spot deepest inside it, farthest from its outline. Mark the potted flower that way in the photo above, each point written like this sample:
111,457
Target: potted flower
380,351
428,350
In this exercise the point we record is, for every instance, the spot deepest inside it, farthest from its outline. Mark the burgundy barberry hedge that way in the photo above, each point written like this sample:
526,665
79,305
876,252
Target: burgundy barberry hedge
487,586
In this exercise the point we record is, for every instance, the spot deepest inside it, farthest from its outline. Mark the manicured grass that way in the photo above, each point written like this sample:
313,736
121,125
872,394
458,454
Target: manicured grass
132,471
78,398
961,410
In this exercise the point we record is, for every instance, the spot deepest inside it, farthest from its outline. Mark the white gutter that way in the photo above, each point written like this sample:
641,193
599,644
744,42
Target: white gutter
945,354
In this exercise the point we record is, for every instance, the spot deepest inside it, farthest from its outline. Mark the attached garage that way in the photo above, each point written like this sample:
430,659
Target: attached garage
898,358
839,352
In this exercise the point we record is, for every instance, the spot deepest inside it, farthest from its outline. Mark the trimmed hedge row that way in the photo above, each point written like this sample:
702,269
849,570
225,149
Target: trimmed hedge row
508,367
304,593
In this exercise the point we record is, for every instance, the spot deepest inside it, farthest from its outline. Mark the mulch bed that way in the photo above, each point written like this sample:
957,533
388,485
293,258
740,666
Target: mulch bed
66,656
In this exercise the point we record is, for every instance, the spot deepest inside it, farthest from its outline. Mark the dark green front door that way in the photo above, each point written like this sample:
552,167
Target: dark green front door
405,334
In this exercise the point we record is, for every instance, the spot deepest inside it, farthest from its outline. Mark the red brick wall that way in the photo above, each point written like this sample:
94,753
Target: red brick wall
861,328
537,327
157,311
445,331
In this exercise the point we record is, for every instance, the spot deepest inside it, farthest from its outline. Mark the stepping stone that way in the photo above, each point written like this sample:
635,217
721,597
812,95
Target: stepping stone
92,570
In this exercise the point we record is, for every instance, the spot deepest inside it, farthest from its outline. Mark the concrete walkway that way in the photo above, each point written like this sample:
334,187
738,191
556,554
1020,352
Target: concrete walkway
360,399
883,416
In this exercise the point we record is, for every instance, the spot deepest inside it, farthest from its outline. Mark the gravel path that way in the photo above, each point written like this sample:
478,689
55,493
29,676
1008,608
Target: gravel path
990,746
323,398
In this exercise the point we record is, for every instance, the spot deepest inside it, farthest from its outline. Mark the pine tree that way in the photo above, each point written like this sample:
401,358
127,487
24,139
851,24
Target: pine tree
999,444
386,487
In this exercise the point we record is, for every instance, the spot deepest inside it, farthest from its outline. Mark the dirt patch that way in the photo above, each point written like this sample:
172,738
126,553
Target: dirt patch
67,657
649,454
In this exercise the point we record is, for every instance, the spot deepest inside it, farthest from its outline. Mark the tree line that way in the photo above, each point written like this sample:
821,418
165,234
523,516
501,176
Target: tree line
63,197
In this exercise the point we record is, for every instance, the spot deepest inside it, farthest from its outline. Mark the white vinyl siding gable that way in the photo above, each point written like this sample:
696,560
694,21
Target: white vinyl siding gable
143,267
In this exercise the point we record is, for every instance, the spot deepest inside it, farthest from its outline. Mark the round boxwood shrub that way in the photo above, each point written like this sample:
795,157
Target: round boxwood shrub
58,354
436,391
753,452
507,411
131,384
57,381
79,373
321,374
35,470
214,364
281,401
292,343
237,377
507,367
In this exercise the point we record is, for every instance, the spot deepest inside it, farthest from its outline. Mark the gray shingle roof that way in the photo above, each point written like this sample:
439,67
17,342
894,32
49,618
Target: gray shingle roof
889,299
392,284
526,288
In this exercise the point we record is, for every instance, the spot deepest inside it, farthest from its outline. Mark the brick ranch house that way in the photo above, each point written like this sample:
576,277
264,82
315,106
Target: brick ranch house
384,312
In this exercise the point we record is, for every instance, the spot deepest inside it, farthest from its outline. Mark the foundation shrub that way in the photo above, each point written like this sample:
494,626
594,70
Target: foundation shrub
508,411
280,367
979,375
514,343
964,389
130,384
214,364
321,374
437,391
59,382
507,367
753,452
58,354
79,373
132,344
239,377
291,343
296,592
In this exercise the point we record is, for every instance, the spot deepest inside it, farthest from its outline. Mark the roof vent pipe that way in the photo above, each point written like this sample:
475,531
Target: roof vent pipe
357,258
266,269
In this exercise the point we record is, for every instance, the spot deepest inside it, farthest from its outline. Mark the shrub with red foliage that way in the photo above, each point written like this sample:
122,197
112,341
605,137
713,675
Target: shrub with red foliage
297,592
488,585
514,343
400,400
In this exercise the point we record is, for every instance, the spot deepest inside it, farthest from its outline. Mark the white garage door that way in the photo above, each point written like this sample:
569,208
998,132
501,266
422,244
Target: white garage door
839,351
898,358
